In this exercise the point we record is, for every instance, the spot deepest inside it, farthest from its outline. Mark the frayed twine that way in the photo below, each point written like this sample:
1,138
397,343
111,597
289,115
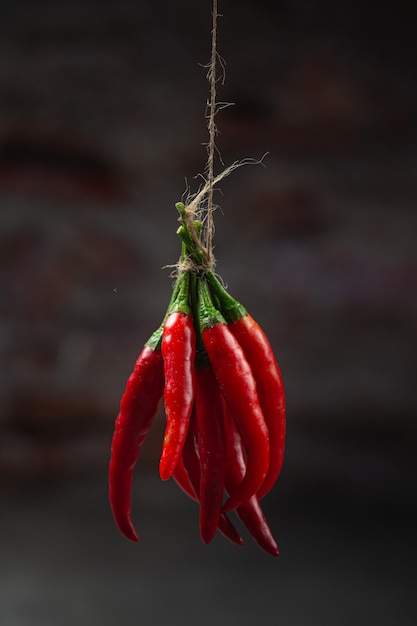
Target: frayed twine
194,209
200,205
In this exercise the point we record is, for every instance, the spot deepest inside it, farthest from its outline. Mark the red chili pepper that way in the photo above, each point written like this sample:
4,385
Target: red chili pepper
250,512
217,375
271,392
265,369
187,475
182,479
212,449
137,409
238,386
178,351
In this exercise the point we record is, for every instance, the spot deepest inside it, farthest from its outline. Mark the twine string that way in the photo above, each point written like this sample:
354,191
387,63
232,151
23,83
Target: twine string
212,136
200,205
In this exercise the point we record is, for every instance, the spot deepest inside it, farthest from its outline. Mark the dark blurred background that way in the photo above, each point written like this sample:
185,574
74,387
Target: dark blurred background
101,130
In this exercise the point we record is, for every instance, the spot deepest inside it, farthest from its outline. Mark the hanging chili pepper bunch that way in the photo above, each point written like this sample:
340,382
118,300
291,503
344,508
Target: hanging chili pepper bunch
224,403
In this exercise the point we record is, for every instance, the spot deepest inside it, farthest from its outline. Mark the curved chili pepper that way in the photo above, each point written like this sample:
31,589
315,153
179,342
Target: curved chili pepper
266,372
238,386
137,410
182,479
212,450
178,351
250,511
138,407
190,463
271,392
225,525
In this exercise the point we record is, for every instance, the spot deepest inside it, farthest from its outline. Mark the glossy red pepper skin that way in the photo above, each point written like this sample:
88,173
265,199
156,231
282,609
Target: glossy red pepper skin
138,407
260,355
178,351
212,449
239,390
190,482
182,479
270,387
250,512
238,387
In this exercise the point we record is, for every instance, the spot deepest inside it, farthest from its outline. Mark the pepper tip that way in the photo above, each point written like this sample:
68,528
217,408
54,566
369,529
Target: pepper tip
129,532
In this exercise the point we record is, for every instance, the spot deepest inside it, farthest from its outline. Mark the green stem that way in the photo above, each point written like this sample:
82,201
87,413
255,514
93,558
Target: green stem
178,302
181,304
232,310
196,255
209,316
191,237
154,341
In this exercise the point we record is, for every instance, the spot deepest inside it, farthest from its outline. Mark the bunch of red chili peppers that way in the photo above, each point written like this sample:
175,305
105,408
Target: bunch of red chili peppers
224,403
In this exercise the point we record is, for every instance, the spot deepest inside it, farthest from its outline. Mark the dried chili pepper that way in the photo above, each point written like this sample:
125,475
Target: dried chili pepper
238,386
267,374
178,351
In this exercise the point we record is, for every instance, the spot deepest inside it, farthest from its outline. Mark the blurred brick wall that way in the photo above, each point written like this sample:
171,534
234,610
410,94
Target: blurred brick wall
102,120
